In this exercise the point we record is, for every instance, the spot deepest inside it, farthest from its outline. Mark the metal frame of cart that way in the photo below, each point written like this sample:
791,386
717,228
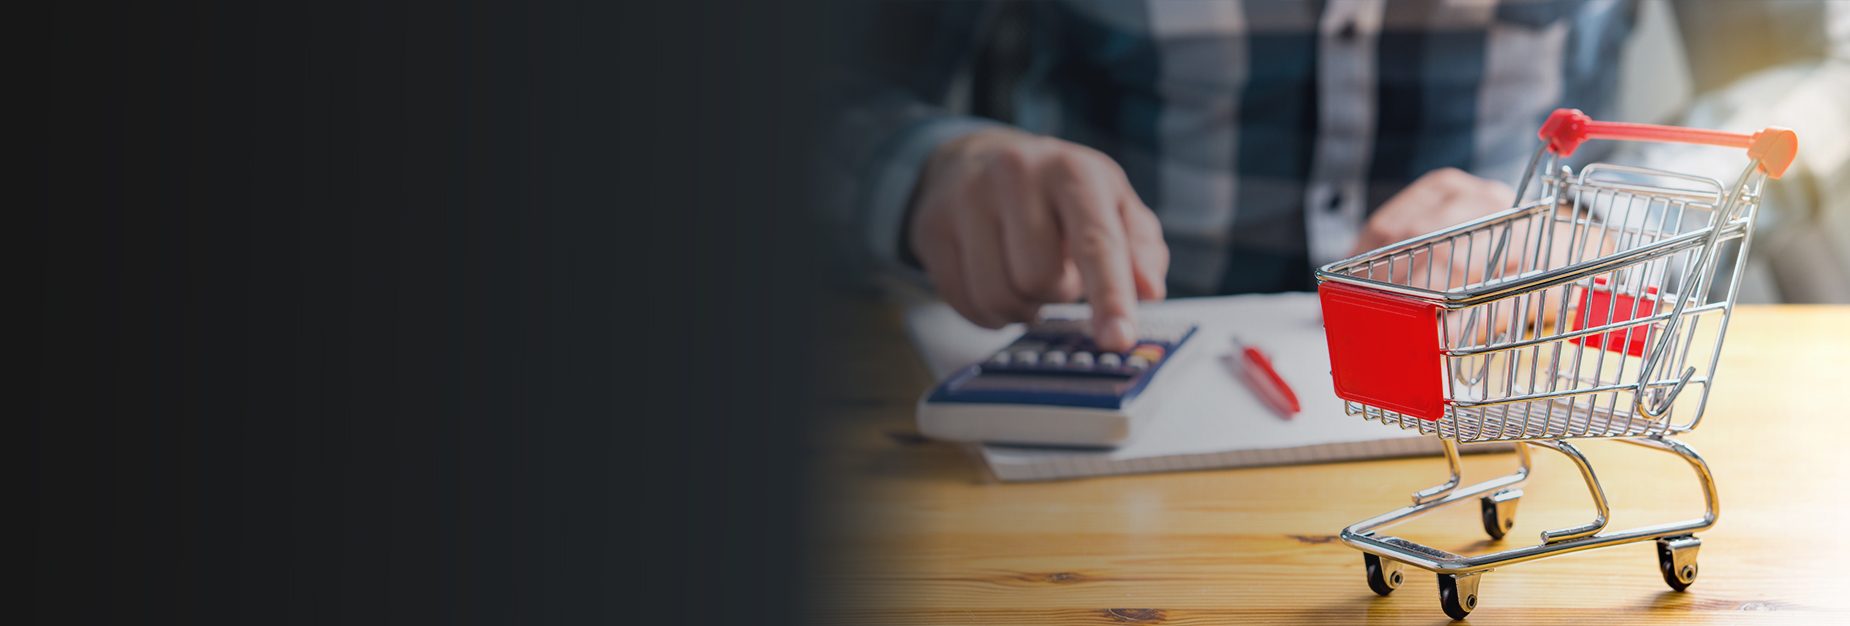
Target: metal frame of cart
1593,308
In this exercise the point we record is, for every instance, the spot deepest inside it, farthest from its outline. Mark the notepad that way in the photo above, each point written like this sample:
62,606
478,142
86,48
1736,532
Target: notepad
1207,418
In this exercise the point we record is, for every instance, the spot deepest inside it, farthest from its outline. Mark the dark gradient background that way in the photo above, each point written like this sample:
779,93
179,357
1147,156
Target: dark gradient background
465,312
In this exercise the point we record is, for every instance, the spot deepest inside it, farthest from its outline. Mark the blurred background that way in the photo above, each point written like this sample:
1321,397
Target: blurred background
1802,253
1080,71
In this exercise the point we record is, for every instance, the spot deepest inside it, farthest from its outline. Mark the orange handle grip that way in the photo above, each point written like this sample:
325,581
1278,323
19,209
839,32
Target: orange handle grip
1774,147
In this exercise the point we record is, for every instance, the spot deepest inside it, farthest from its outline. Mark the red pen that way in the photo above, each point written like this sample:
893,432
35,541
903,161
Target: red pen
1265,381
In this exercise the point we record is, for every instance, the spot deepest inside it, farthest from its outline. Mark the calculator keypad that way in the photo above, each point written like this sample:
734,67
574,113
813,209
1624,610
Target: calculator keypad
1065,347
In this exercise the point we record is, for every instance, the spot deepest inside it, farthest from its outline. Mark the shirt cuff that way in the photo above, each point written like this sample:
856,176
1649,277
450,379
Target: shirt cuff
893,180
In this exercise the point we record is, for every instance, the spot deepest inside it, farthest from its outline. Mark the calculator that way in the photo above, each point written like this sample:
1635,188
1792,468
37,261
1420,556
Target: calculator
1054,386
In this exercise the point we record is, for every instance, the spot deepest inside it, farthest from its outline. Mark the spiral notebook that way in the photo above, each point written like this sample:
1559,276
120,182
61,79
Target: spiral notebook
1208,419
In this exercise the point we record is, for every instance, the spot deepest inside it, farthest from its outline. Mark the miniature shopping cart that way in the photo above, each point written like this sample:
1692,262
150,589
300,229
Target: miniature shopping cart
1594,308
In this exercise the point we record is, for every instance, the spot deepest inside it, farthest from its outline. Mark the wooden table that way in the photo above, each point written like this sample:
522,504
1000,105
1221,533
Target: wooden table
915,532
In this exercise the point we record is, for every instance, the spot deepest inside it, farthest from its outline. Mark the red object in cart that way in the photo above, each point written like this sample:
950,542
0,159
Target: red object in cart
1603,305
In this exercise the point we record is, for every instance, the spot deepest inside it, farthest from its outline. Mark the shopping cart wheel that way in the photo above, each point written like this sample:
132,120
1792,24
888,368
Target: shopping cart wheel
1383,574
1499,512
1458,594
1676,560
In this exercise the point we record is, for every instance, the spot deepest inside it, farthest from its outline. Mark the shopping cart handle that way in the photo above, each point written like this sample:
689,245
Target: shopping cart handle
1774,147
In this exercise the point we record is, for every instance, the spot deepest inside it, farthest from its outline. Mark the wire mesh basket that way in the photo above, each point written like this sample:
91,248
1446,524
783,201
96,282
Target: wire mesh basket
1587,310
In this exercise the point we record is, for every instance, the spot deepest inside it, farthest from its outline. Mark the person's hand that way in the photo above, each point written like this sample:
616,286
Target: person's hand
1005,221
1449,197
1442,197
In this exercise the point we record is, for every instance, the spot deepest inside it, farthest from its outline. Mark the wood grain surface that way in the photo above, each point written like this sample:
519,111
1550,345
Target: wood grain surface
912,531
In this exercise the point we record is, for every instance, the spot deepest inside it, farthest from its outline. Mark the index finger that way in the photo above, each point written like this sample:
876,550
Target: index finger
1089,213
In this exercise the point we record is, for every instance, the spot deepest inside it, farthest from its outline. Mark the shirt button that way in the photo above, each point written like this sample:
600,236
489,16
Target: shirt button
1335,203
1347,32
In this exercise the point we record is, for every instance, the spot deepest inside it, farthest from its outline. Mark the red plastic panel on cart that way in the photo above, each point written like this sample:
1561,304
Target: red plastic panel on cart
1384,349
1593,308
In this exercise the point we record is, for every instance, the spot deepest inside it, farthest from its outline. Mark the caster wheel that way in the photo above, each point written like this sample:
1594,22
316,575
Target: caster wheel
1384,575
1676,560
1499,512
1458,594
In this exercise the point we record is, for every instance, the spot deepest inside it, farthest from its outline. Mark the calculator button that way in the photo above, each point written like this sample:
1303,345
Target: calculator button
1109,360
1081,360
1137,362
1001,358
1054,358
1150,353
1028,358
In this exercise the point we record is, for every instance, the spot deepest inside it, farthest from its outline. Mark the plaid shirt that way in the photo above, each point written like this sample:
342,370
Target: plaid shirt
1262,133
